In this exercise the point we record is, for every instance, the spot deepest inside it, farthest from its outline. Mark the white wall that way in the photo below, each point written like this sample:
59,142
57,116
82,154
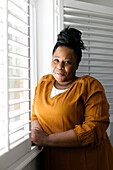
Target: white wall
44,36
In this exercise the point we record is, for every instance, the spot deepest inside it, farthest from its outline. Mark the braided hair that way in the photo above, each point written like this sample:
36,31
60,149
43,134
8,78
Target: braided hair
70,37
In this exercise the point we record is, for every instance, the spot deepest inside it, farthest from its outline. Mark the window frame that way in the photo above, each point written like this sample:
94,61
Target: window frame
19,152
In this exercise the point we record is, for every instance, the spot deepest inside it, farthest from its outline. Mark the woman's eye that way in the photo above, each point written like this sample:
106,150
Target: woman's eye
67,62
56,60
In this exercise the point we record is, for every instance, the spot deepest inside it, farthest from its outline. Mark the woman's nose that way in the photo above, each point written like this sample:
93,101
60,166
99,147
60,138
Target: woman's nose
60,65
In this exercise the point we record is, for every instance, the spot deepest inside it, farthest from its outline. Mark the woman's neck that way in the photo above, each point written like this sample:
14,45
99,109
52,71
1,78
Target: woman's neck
64,85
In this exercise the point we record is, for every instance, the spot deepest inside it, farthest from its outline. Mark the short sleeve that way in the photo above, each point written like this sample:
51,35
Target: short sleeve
96,114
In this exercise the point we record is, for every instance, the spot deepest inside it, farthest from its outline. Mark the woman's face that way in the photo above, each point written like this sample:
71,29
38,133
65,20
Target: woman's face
64,64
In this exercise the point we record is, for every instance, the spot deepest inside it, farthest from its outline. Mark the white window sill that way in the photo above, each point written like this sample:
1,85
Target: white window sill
21,163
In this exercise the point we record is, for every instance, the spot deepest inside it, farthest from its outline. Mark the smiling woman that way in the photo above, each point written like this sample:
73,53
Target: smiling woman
71,123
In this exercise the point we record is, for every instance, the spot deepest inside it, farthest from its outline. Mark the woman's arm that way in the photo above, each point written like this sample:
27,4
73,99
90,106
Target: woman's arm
96,115
35,125
62,139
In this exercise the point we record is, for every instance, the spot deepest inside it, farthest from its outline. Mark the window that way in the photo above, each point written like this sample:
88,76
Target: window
96,24
15,80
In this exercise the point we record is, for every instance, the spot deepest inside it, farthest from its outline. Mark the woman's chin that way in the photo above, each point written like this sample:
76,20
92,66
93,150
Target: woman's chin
59,78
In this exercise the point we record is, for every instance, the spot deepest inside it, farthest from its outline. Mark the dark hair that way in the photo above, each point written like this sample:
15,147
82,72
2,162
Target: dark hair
70,37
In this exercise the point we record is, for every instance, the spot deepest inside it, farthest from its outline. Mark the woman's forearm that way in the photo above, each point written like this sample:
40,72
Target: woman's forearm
63,139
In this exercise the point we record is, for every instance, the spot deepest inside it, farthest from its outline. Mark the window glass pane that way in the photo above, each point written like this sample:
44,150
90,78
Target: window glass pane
18,50
19,106
15,60
19,84
18,73
17,36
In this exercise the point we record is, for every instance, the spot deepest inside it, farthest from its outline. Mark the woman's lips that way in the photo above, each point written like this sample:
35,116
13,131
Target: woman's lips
60,74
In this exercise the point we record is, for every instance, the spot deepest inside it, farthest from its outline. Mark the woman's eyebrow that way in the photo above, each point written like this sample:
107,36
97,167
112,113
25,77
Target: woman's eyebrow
59,57
56,56
68,58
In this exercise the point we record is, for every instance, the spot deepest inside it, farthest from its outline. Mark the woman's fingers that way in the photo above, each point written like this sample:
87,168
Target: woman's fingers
38,137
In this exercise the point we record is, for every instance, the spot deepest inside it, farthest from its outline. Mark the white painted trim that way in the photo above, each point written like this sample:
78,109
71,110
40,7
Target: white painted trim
61,14
26,159
14,154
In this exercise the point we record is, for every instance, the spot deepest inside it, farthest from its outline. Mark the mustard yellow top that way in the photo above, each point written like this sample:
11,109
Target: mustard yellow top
82,107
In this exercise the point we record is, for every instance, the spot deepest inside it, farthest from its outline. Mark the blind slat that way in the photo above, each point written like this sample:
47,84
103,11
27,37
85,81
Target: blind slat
99,53
17,43
17,101
17,18
20,31
19,67
97,59
20,136
18,89
98,33
98,40
15,54
99,47
16,113
19,7
77,11
95,72
100,66
104,28
18,78
87,19
16,125
17,32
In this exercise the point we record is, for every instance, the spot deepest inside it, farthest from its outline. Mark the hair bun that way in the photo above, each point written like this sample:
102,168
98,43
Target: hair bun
70,36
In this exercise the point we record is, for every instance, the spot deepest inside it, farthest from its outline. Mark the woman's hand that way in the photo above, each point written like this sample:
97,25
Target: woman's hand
35,138
39,137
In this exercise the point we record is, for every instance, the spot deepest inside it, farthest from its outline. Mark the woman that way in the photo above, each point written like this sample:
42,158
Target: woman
70,114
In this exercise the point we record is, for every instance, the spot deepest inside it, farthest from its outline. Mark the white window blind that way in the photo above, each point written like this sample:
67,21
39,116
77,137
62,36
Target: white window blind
96,24
15,80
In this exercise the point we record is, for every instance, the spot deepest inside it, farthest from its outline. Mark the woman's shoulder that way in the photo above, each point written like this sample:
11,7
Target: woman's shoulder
88,78
45,79
48,77
91,81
